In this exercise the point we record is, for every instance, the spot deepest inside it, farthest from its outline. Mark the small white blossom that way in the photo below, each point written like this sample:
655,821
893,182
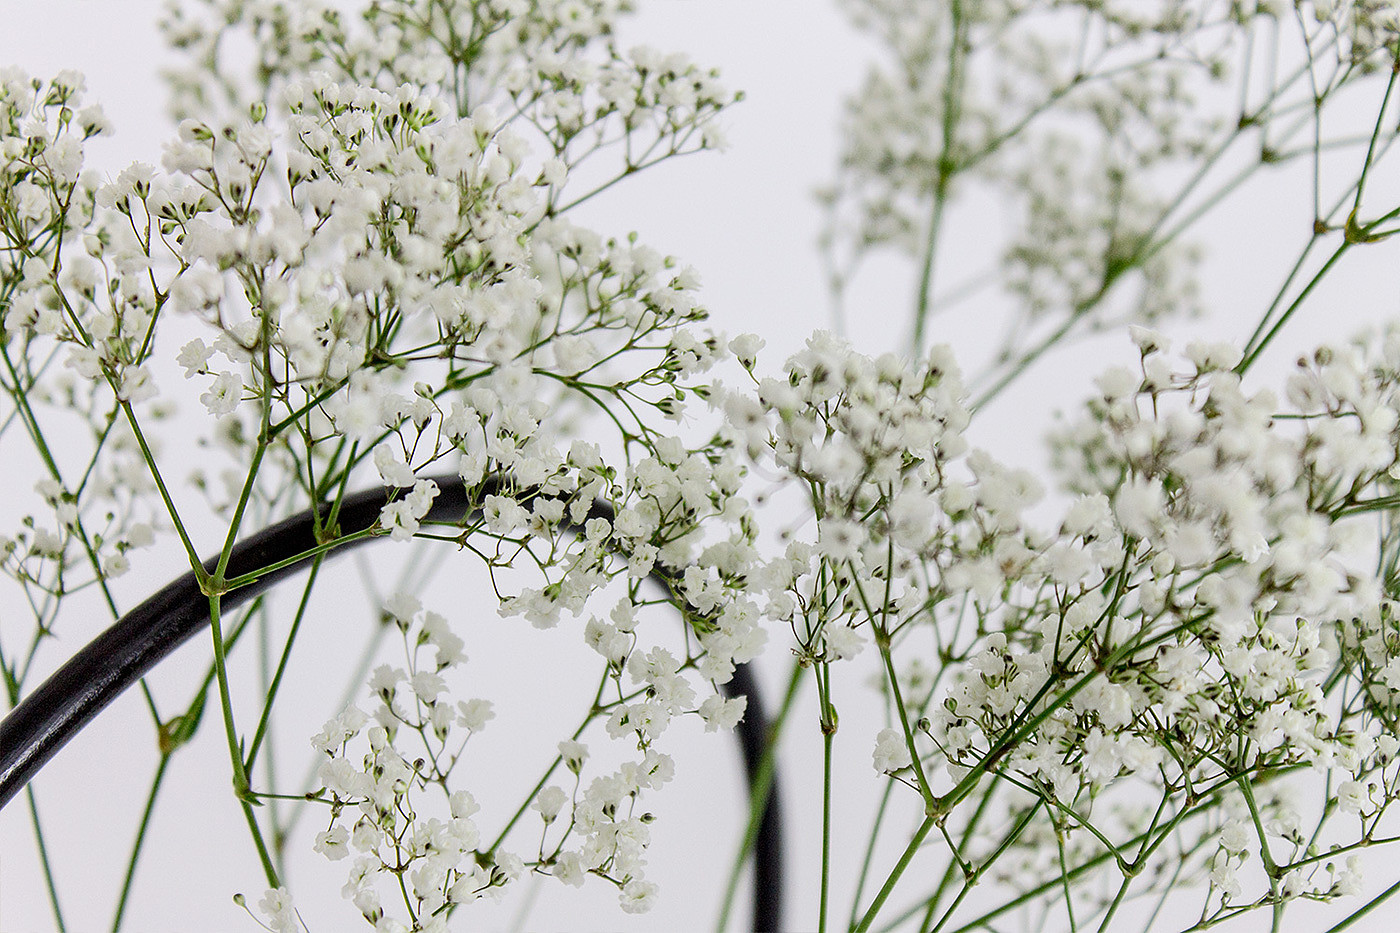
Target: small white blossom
223,395
891,752
720,713
475,714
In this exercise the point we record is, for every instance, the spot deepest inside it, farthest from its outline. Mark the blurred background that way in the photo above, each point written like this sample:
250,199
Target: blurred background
747,220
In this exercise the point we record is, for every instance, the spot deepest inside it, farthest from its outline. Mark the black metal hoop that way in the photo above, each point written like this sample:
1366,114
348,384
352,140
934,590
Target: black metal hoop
46,719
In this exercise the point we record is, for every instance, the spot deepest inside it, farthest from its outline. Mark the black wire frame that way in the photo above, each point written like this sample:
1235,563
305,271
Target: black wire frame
49,716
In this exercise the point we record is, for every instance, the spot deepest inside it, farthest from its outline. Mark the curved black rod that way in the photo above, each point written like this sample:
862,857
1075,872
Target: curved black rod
57,709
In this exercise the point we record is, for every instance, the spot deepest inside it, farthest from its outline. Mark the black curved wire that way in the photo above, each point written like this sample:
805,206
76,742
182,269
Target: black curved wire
45,720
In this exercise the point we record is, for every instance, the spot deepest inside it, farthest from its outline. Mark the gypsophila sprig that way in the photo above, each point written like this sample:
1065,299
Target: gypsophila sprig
1184,629
372,250
1086,117
1157,683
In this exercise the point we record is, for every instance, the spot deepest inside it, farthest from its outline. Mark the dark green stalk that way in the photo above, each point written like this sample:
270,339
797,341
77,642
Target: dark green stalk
276,684
317,552
904,859
1257,347
136,847
870,852
947,167
758,798
50,886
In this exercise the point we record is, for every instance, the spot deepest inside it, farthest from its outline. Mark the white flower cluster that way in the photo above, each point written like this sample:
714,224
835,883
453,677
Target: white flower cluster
1195,625
463,47
553,63
384,204
83,524
1362,26
375,251
1087,224
1098,130
381,804
105,314
1199,623
965,79
663,104
871,441
401,237
370,236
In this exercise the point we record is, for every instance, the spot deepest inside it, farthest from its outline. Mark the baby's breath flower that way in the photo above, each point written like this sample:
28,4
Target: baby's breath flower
474,714
638,896
276,906
720,713
891,752
549,802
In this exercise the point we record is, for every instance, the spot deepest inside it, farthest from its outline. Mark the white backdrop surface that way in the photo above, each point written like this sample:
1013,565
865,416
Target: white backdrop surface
746,220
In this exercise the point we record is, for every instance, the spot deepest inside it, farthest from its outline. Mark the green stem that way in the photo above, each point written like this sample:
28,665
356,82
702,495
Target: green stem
882,639
1253,352
904,859
973,877
947,167
1264,322
269,870
870,851
956,862
240,777
1112,907
130,877
1033,354
828,723
758,798
50,886
319,551
195,564
241,785
276,684
539,785
1375,136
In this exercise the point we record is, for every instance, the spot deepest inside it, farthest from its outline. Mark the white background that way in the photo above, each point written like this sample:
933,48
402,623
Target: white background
747,222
